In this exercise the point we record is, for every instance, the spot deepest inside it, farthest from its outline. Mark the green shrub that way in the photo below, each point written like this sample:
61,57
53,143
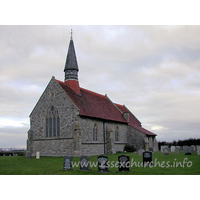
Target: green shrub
129,148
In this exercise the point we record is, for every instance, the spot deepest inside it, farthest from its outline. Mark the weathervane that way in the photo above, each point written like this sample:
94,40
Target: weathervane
71,33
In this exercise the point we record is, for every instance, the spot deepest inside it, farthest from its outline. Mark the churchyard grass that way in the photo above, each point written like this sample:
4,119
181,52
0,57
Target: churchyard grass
21,165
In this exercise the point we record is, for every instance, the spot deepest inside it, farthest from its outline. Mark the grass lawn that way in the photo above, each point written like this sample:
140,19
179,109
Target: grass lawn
163,165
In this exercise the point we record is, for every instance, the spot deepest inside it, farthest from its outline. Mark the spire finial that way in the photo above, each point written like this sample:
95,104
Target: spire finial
71,33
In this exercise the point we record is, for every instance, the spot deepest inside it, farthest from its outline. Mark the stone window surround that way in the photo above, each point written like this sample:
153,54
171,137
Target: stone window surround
117,134
53,114
95,133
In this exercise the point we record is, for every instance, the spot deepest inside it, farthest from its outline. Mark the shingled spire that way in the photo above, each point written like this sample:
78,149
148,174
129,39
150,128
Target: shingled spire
71,65
71,68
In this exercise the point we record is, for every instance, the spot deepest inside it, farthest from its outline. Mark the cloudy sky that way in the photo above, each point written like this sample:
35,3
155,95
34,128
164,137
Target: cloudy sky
153,70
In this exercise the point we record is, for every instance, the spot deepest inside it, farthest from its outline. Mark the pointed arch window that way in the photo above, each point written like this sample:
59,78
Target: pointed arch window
95,132
52,123
117,134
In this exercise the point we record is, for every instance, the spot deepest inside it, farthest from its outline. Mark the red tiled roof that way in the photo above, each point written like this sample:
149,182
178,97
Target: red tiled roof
92,104
95,105
133,121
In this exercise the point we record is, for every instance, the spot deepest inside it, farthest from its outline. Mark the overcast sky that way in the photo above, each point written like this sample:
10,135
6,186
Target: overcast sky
153,70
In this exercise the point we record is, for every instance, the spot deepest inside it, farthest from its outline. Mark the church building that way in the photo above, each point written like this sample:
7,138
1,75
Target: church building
69,120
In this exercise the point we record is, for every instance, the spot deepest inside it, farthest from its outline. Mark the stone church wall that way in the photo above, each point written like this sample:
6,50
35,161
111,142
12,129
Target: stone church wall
136,138
52,96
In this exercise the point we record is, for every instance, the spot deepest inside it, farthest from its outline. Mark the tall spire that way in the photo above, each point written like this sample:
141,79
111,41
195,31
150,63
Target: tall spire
71,68
71,65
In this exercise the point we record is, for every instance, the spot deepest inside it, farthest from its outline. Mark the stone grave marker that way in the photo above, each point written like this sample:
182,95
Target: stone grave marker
198,150
124,163
166,151
140,152
147,158
4,155
163,147
103,164
84,163
184,147
177,150
188,151
193,148
172,148
67,163
37,155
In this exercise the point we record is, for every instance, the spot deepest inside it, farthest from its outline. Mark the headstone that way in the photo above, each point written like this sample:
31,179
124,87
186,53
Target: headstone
124,163
172,148
198,150
163,147
29,155
103,164
9,155
140,152
181,148
84,163
166,151
193,148
4,155
188,151
37,155
184,147
147,158
177,150
67,163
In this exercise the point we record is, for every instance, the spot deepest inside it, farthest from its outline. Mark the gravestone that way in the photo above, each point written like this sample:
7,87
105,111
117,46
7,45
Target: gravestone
193,149
67,163
166,151
163,147
29,155
103,164
198,150
37,155
84,163
4,155
9,155
188,151
140,152
184,147
172,148
147,158
177,150
124,163
181,148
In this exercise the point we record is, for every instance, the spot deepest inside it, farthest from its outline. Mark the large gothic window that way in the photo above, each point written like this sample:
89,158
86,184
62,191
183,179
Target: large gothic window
52,123
117,134
95,132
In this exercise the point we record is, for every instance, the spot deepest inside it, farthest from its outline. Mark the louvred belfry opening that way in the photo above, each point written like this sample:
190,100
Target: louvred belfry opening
71,69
